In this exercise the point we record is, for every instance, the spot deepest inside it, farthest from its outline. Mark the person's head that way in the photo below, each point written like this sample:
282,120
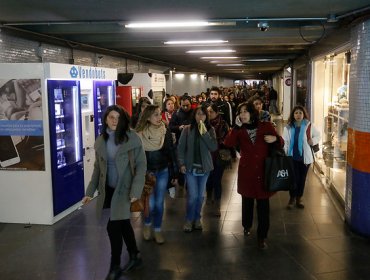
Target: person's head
169,105
214,94
231,96
199,98
193,99
257,101
213,111
143,102
297,114
116,119
185,103
150,116
200,113
247,113
226,98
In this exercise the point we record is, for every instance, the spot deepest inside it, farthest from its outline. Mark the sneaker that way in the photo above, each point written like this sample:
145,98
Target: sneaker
198,225
262,244
247,231
188,226
290,203
158,237
147,232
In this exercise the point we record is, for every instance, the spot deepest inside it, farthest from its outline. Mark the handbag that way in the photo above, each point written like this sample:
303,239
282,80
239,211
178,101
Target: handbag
142,203
224,157
315,148
279,172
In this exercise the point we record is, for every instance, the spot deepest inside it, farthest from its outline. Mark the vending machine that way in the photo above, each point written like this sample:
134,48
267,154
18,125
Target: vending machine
65,143
104,96
46,128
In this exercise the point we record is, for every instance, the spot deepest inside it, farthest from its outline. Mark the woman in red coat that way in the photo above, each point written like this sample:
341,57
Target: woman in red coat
253,138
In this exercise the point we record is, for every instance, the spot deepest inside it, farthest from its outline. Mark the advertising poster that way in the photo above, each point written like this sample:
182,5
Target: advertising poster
21,125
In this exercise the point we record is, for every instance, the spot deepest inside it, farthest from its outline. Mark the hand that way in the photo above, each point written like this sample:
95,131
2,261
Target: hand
201,127
238,122
181,127
270,138
86,200
183,169
133,199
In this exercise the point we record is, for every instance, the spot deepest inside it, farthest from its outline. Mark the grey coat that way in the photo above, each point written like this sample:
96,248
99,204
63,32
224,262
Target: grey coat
185,149
128,186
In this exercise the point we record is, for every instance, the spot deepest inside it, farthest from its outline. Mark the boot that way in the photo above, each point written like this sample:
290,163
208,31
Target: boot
134,262
299,202
262,244
290,203
114,273
217,212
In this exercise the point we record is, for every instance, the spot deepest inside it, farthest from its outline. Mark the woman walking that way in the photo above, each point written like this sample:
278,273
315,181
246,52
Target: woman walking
299,135
253,137
196,143
116,185
160,156
214,188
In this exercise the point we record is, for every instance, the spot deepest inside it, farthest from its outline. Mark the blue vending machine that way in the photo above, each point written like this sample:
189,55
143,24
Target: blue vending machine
104,96
66,143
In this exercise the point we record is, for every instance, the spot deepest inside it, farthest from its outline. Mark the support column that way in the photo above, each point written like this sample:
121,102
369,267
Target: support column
357,200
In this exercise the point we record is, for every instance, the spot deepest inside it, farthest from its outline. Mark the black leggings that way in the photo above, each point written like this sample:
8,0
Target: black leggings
263,214
118,231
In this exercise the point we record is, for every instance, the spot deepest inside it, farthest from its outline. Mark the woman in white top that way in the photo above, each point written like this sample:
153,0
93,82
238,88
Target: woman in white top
299,135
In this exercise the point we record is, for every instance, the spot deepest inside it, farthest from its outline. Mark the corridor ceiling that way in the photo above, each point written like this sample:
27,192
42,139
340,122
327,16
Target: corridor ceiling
293,27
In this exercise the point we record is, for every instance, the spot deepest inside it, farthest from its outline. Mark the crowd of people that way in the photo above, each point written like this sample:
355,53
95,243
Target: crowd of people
179,144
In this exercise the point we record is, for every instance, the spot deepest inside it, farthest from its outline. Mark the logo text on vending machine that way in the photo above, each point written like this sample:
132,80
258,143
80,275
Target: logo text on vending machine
81,72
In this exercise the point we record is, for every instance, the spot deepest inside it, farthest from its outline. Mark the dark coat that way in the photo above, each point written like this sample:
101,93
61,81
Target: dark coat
251,165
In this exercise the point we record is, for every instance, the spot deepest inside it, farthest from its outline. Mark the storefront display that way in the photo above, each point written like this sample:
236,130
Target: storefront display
330,113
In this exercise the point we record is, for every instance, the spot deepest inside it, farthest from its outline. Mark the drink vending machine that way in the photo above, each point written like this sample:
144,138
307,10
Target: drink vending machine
47,124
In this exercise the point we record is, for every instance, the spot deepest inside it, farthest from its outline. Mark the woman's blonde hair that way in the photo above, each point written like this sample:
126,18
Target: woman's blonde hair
145,115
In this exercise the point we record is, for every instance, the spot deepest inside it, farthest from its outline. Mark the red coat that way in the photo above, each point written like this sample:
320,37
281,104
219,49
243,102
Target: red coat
251,165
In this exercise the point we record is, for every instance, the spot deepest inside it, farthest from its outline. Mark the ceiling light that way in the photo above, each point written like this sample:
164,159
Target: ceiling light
230,64
195,42
211,51
168,24
224,61
263,59
219,57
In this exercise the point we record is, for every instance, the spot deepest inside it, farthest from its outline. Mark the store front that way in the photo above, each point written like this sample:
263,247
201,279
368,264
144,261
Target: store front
330,112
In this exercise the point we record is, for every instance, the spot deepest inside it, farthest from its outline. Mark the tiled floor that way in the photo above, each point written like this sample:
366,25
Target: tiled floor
313,243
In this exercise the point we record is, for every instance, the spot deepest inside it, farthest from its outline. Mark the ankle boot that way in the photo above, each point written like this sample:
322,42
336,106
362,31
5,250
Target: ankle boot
290,203
134,262
114,272
299,202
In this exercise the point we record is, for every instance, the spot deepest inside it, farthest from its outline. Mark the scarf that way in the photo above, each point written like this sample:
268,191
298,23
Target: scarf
153,137
302,132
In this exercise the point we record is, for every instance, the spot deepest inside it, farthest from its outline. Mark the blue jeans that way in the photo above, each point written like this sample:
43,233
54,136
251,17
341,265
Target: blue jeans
156,199
195,194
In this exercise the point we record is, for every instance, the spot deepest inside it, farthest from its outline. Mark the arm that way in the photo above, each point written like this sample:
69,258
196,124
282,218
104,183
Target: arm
93,185
231,139
138,179
210,140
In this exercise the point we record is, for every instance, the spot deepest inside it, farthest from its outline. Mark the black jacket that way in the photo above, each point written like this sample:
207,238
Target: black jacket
179,118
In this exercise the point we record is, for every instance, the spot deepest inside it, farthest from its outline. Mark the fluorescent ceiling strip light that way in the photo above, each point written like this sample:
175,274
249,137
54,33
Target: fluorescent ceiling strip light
168,24
219,57
195,42
224,61
210,51
263,59
231,64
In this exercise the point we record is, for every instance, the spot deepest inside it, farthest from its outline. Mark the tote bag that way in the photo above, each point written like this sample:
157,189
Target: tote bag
279,173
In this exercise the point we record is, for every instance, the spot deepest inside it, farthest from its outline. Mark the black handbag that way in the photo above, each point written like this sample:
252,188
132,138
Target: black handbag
279,172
